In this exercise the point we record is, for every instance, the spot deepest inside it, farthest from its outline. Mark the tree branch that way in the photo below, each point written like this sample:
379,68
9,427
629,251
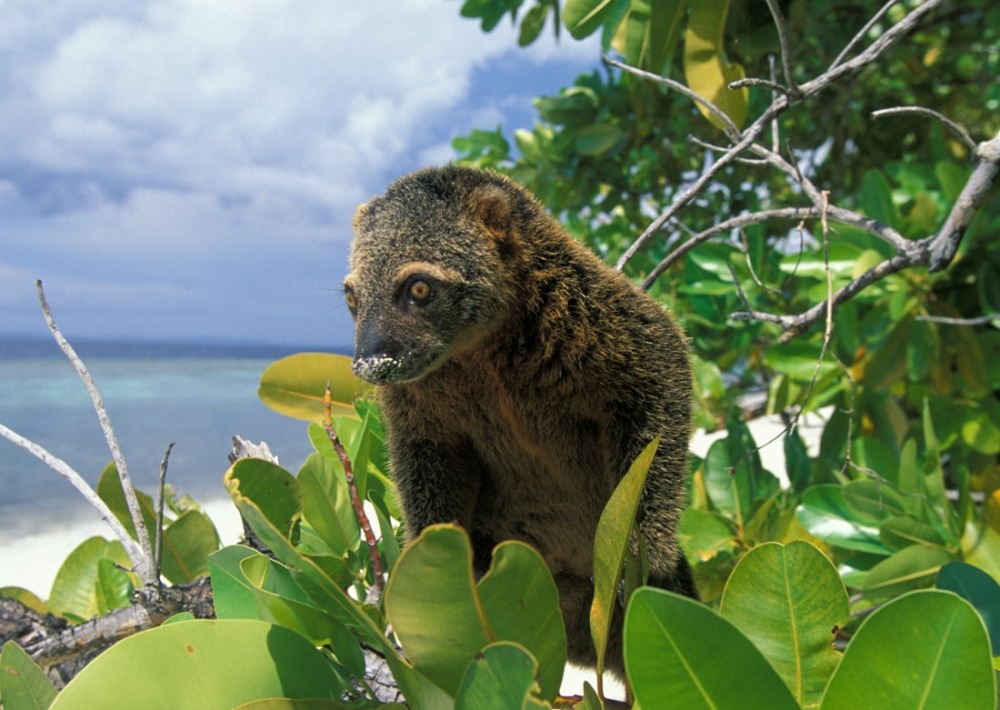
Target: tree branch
144,564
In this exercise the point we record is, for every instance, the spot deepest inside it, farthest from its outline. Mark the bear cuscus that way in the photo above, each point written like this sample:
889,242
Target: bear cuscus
518,378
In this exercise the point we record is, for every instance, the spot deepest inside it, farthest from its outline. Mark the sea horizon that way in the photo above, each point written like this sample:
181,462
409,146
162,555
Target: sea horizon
196,395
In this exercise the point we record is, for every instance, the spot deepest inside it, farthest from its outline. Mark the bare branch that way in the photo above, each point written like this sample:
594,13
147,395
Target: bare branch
77,481
944,244
158,548
733,223
955,127
862,33
144,568
786,61
945,320
731,129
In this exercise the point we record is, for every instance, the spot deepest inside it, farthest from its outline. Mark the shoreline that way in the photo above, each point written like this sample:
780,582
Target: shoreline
32,561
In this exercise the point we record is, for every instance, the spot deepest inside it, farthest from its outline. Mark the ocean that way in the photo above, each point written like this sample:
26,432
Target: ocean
196,396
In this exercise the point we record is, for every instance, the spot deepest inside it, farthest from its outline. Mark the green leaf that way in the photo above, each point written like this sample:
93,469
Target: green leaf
232,596
584,17
926,649
74,593
911,567
295,385
113,587
901,532
274,491
824,514
521,603
597,138
501,676
789,601
798,359
706,71
611,540
980,590
326,504
729,492
433,607
665,20
679,653
876,199
871,502
703,534
532,24
203,664
187,543
284,602
23,685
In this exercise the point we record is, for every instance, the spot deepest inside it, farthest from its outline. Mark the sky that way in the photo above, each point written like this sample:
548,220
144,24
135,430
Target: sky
187,170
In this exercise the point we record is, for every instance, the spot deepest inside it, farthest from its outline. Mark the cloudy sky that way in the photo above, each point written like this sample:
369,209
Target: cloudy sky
187,169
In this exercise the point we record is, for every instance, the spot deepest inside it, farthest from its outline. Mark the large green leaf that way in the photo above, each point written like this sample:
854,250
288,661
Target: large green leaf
980,590
611,541
75,594
521,602
274,491
442,619
824,514
679,653
706,70
326,504
912,567
433,607
295,385
23,685
926,649
203,664
789,601
284,602
502,676
232,595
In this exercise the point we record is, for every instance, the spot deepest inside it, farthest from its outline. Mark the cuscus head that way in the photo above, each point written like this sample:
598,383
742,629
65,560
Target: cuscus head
430,270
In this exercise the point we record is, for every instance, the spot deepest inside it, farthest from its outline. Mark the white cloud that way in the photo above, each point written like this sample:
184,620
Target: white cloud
151,149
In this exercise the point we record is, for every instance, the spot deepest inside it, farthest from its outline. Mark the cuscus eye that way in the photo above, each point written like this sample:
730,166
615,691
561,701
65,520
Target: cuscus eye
419,291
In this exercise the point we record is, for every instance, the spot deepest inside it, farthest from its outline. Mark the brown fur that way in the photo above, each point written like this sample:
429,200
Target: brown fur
518,388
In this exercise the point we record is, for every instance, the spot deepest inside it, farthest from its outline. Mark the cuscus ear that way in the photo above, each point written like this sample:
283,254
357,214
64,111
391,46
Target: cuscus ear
359,215
491,205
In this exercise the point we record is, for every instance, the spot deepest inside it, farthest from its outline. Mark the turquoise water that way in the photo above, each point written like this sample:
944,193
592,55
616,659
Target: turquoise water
194,396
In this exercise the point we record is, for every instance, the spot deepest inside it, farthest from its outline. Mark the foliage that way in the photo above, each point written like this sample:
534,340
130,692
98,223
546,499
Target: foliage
501,636
900,497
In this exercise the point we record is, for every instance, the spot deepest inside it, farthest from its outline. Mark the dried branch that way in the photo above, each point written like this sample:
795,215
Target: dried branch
786,61
956,128
359,509
862,33
77,481
934,252
144,565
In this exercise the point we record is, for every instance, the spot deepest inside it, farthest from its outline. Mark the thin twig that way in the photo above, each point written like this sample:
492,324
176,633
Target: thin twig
957,128
730,128
158,549
144,569
862,33
77,481
946,320
375,593
786,60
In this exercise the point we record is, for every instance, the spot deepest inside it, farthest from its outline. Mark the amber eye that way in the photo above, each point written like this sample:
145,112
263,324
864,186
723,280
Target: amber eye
352,300
419,291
